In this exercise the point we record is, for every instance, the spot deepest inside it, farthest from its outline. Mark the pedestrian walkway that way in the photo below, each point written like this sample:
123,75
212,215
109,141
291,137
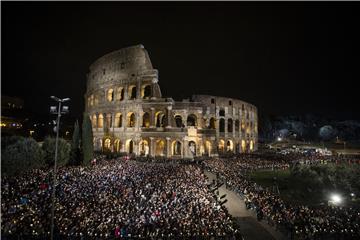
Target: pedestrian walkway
251,228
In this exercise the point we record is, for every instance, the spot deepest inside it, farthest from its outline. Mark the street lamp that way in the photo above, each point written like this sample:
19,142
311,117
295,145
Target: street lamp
58,111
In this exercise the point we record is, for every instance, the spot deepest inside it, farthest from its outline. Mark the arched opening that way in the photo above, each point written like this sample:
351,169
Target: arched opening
222,125
146,120
229,146
191,120
117,145
178,121
212,124
146,91
237,125
243,146
120,94
118,120
208,147
110,95
251,145
230,125
130,146
132,92
94,121
101,121
91,100
131,119
107,144
176,146
160,119
160,146
221,146
144,148
192,148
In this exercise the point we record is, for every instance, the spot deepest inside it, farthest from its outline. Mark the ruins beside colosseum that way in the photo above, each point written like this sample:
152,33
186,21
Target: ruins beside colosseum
129,114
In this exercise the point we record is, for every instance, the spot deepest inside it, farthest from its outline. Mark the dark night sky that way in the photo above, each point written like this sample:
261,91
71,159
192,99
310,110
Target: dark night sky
286,58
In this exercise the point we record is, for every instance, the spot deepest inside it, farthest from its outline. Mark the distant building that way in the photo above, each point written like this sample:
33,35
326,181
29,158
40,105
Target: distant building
11,115
129,114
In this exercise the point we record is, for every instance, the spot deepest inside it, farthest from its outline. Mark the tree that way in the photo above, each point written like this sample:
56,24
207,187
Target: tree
22,155
75,146
326,132
87,140
49,151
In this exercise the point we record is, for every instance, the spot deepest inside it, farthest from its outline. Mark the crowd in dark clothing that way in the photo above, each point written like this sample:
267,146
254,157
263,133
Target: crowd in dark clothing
296,221
115,199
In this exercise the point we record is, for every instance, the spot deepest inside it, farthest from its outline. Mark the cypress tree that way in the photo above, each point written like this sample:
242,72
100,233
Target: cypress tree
87,140
75,145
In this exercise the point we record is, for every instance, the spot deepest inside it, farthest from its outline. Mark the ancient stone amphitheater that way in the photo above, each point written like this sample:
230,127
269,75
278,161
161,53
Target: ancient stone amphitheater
129,114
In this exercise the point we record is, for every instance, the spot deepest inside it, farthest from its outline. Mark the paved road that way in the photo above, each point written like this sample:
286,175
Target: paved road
251,229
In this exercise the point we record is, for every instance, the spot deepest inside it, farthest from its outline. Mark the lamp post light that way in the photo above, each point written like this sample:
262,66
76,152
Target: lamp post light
58,111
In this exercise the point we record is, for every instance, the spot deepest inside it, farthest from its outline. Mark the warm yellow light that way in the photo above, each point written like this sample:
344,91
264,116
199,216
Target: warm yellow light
31,132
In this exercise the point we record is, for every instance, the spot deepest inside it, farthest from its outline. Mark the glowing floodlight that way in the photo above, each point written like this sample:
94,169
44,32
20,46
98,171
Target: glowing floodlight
279,139
336,199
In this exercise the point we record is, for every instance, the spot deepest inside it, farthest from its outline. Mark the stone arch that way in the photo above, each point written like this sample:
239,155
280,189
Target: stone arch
94,121
230,125
222,125
107,144
117,145
178,121
229,146
118,120
251,147
110,95
221,146
176,148
129,146
131,119
120,94
146,120
192,148
132,92
144,147
160,147
208,147
160,119
212,124
243,146
146,91
191,120
100,121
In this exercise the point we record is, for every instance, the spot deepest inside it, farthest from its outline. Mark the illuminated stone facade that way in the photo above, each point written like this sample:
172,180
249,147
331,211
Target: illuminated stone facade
129,114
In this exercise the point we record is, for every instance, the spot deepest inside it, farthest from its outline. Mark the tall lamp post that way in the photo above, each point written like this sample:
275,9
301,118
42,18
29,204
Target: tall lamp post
58,111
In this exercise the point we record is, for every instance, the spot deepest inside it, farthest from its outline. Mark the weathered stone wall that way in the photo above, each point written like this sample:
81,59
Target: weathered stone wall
128,113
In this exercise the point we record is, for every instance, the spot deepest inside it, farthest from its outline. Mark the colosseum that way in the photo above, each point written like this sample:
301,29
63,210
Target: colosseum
129,113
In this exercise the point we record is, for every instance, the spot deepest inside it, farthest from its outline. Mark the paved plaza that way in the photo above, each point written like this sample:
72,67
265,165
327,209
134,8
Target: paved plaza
250,228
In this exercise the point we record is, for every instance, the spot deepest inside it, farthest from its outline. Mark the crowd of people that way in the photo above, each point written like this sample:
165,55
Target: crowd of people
115,199
296,221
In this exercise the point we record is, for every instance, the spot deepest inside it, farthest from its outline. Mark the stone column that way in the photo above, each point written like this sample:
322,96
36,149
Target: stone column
168,147
138,89
152,117
168,112
126,91
152,147
185,148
